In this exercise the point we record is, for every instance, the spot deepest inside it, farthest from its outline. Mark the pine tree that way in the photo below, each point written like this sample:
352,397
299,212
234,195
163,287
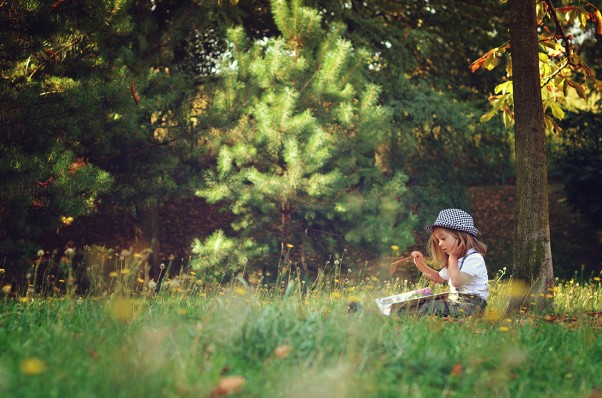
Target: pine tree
92,99
296,132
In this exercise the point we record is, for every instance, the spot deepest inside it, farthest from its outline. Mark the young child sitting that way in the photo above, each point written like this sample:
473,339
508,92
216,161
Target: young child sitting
453,244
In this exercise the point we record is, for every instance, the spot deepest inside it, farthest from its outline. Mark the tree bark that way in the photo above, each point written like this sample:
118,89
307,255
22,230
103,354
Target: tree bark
532,256
148,223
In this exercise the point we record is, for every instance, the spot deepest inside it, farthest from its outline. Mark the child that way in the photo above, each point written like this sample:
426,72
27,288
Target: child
454,246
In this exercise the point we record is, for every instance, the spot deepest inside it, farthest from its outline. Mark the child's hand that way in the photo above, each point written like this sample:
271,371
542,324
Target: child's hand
457,250
418,257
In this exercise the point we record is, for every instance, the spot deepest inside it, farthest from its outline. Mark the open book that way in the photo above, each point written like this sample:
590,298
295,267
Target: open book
391,304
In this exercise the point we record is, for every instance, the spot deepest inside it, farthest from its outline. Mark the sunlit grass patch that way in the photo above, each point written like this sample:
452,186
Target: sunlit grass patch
292,339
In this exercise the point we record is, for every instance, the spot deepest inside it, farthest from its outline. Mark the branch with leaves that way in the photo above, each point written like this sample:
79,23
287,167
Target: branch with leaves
561,67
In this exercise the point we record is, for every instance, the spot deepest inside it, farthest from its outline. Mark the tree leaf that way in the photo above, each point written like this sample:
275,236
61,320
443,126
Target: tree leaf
487,117
556,110
598,17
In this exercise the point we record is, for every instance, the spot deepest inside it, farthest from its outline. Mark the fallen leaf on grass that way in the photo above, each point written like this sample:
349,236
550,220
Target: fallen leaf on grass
228,385
94,355
457,370
558,318
282,351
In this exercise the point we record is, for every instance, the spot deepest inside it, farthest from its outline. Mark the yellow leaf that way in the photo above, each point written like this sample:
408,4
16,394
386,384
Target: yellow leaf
556,110
486,117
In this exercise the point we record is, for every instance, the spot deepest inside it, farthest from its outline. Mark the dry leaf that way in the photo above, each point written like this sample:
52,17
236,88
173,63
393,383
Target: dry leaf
228,385
282,351
457,370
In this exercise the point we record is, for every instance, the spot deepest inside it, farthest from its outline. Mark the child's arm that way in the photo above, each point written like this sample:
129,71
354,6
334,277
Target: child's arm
425,269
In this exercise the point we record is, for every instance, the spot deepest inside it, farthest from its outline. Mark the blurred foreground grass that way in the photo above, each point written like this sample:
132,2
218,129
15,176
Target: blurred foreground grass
252,342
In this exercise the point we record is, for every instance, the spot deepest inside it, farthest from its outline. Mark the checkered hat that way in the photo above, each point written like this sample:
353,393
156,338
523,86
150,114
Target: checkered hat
455,219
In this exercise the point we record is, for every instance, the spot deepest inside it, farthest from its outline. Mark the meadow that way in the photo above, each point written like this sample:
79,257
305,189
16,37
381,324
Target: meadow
198,339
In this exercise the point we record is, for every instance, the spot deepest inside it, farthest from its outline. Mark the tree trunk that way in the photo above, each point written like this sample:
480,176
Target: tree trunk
147,218
532,256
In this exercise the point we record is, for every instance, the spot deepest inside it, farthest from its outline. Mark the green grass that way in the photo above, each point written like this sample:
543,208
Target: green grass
181,344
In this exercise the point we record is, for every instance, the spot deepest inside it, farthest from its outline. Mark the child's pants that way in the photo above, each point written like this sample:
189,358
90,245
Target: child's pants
458,306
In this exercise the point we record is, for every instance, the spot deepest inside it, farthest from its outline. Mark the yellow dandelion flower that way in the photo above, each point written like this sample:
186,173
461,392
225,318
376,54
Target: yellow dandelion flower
6,289
597,279
504,328
32,366
335,295
61,281
240,291
125,271
290,246
2,270
138,255
352,298
351,289
23,299
113,274
395,248
192,273
141,281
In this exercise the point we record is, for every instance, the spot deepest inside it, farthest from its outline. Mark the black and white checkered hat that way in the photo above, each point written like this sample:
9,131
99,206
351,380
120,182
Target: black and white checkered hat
455,219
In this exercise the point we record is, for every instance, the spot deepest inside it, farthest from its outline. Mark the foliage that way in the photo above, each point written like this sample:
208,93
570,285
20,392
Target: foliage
419,55
296,135
46,181
92,98
578,161
564,74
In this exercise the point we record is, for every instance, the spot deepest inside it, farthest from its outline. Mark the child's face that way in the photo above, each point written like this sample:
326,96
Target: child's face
445,240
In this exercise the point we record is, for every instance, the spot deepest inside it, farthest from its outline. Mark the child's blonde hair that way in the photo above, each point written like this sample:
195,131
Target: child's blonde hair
469,241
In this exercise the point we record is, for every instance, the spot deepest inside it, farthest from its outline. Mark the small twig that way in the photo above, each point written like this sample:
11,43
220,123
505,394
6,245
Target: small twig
553,75
401,261
560,30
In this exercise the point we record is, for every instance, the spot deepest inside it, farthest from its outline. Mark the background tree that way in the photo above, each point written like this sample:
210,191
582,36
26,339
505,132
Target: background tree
297,130
96,94
419,51
540,75
532,261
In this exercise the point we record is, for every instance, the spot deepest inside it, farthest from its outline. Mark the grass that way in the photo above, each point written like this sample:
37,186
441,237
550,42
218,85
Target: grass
253,342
